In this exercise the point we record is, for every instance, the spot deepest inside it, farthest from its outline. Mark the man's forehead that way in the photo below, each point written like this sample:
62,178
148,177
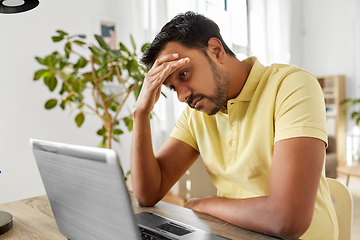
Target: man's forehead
175,47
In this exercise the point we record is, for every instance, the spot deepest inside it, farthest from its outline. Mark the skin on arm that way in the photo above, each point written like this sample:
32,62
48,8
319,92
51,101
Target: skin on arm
294,180
153,176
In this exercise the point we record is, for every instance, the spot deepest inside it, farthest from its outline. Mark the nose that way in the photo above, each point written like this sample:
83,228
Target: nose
183,93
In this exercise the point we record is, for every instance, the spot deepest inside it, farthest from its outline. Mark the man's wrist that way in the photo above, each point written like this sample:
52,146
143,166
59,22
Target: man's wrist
141,114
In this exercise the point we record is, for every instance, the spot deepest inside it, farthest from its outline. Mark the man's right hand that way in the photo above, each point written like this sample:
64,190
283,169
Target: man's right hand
151,89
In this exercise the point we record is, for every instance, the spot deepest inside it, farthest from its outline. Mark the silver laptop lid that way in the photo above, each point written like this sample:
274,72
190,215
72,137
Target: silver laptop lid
86,190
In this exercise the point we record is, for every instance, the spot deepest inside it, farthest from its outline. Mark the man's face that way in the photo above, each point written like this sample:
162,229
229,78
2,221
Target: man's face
200,83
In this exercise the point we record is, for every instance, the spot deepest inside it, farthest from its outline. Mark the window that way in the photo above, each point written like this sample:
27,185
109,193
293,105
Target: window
232,18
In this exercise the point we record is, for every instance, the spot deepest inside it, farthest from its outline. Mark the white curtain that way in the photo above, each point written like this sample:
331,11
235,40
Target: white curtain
270,23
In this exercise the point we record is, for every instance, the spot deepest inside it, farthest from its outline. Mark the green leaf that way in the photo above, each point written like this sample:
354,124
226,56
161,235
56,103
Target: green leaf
116,54
344,101
102,59
122,47
57,38
64,88
126,176
132,65
117,132
144,47
40,73
76,86
51,82
354,114
96,51
67,49
63,62
62,33
49,61
79,119
102,144
133,42
355,101
50,104
129,123
102,43
40,60
82,62
62,105
80,43
101,131
113,107
80,35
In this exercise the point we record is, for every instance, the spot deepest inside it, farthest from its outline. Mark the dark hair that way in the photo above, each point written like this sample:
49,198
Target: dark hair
189,29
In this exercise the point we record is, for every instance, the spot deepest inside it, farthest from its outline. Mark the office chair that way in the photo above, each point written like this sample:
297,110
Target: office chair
343,204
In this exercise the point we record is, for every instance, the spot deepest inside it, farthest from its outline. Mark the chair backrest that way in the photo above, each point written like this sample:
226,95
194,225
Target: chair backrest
343,204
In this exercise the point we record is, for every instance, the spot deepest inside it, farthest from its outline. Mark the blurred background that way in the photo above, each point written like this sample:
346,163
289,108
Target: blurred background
321,36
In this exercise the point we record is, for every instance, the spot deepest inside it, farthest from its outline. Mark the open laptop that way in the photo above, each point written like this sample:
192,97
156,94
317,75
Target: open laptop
89,198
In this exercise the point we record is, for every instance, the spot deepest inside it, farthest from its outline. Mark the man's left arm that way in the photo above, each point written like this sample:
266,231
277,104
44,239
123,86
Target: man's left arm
294,180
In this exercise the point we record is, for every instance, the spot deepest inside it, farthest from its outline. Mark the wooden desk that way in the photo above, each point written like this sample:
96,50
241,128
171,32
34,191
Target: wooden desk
33,219
349,171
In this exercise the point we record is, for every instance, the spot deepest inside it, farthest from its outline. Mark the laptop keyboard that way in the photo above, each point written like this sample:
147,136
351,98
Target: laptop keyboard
150,235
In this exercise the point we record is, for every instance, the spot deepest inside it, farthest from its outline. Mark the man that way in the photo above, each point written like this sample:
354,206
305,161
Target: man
260,131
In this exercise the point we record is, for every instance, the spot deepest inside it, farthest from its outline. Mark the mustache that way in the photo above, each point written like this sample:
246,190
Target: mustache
194,97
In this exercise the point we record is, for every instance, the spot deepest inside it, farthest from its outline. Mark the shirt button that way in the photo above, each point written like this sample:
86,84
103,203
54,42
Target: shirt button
232,142
233,123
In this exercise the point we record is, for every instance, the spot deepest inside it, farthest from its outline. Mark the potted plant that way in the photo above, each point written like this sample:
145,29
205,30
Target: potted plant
108,75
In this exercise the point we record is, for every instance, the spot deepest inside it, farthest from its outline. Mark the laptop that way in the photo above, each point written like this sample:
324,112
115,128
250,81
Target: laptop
89,198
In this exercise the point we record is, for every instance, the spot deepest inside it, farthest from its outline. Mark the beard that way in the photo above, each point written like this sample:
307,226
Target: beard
222,85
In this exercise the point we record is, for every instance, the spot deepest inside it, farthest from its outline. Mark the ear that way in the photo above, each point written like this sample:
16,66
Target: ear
215,49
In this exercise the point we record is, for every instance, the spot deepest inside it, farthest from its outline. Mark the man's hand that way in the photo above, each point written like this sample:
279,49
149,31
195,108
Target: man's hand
151,89
193,204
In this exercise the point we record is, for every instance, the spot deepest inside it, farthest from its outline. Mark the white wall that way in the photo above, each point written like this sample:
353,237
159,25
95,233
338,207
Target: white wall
22,113
326,39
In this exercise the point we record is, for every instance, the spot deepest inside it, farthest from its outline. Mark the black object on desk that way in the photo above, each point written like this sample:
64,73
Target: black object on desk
6,222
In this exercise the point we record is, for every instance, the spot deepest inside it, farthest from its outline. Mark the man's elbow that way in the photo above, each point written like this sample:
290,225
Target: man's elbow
144,202
292,227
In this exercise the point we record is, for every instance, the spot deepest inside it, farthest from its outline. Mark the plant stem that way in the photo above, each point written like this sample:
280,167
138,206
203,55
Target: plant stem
107,121
105,76
72,92
123,102
76,53
118,74
115,96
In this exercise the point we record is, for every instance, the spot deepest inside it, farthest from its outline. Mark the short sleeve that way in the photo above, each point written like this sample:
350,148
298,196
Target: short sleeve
300,108
182,130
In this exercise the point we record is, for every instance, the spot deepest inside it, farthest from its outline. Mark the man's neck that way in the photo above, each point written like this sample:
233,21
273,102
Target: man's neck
239,73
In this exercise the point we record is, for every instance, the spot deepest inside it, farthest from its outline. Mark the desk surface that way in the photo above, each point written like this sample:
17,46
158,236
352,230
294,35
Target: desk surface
350,170
33,219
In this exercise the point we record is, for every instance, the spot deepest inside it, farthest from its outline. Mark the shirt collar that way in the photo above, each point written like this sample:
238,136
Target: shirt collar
252,81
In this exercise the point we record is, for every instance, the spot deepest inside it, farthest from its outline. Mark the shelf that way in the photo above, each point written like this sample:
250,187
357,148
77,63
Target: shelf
334,92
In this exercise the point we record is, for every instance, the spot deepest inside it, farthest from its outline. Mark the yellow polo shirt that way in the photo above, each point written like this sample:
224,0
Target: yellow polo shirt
276,102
